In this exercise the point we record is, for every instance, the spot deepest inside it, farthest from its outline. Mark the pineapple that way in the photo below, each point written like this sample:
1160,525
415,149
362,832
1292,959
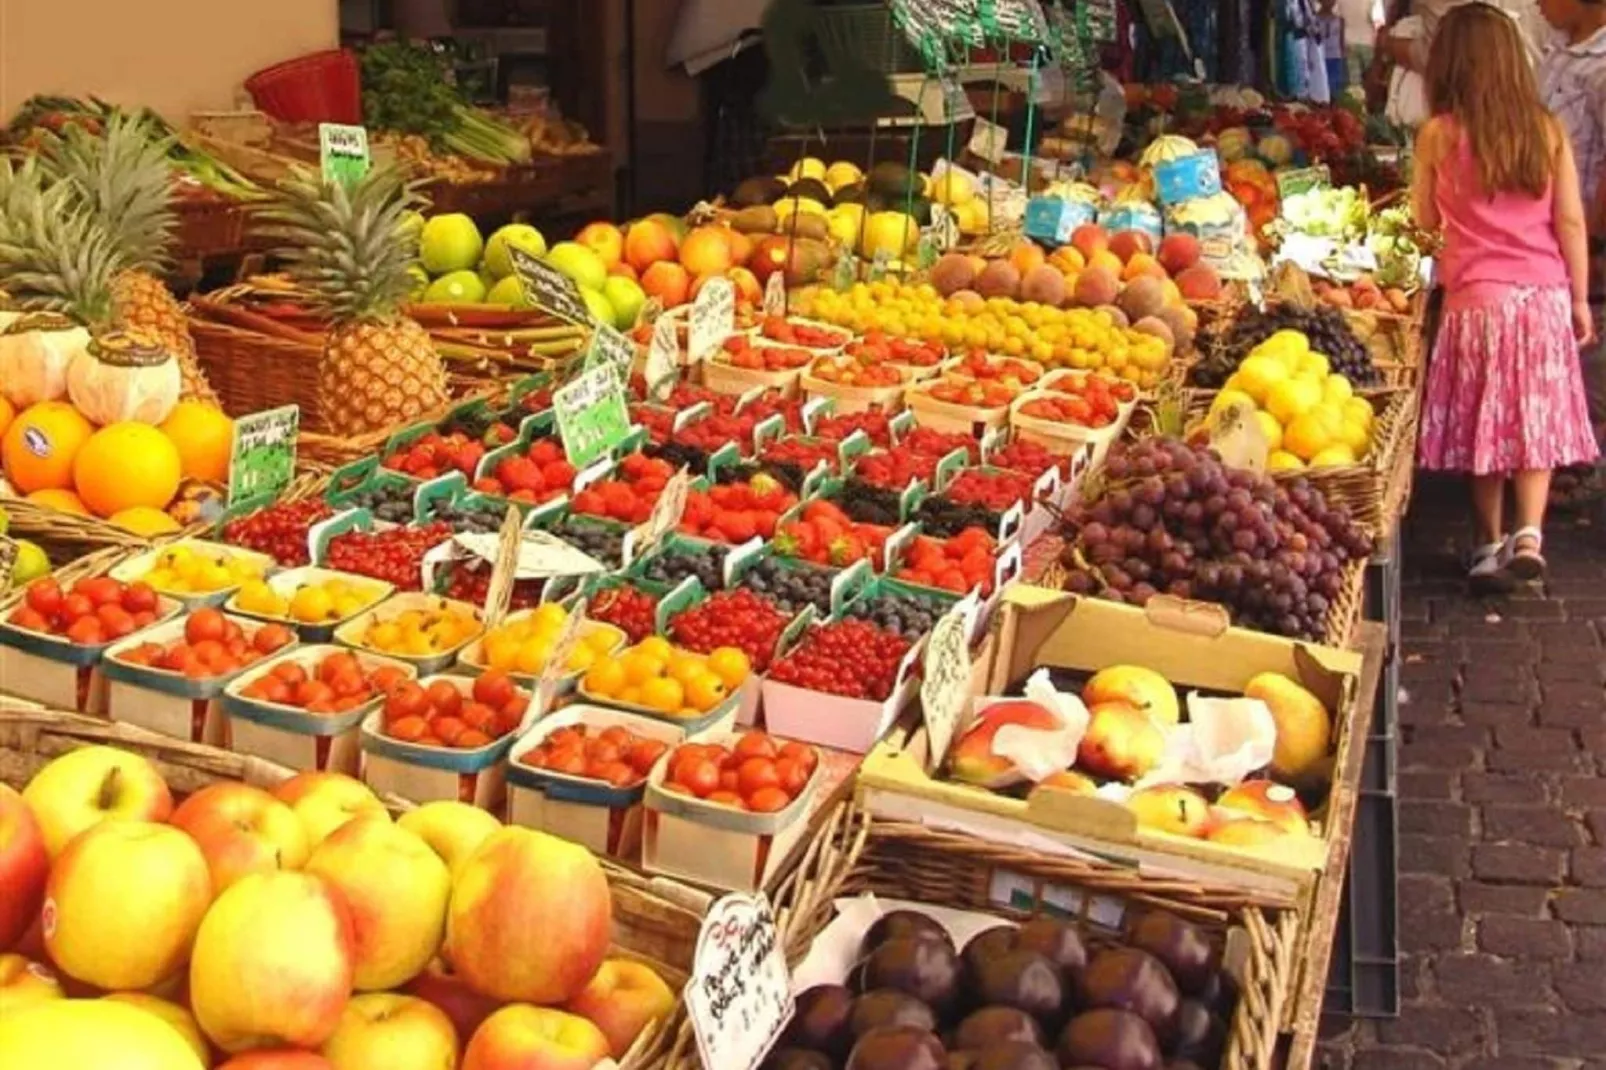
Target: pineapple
55,254
351,250
124,175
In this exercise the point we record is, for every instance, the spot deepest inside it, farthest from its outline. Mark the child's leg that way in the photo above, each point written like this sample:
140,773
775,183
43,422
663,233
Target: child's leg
1488,502
1532,488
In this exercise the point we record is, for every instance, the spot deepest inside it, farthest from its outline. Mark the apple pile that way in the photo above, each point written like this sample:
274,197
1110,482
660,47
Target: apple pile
91,612
297,929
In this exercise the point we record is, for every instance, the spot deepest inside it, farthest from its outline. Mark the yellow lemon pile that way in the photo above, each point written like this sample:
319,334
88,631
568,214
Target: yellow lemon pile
524,643
188,569
658,676
323,602
1310,417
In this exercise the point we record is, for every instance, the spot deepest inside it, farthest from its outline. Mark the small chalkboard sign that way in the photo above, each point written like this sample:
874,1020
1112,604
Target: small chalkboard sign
548,288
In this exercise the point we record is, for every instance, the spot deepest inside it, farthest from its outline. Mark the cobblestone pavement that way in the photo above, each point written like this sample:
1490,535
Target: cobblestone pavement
1502,814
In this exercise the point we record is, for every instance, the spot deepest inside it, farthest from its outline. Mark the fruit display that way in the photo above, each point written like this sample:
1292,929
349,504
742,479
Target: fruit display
1036,995
964,562
800,455
755,772
675,562
211,644
435,453
792,587
853,658
1324,329
928,442
736,512
91,612
739,622
975,394
1172,518
279,530
390,501
945,518
395,555
903,613
604,542
194,568
799,333
437,629
1091,400
336,682
850,371
741,352
823,534
894,469
614,755
980,366
913,354
523,644
630,494
874,212
539,474
322,599
632,611
660,678
1019,455
876,425
994,489
1364,294
441,712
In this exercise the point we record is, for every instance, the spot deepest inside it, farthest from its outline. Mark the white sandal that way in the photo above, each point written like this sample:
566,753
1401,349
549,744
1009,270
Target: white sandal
1526,563
1485,566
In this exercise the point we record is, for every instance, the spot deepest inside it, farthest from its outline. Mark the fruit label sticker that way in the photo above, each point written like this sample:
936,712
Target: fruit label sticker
740,992
987,140
660,370
666,511
499,589
713,318
611,349
945,691
547,287
592,415
262,459
879,263
846,272
342,152
8,561
775,294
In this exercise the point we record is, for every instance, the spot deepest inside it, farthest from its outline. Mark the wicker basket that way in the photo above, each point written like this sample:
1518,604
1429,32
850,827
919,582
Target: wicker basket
251,370
210,228
64,536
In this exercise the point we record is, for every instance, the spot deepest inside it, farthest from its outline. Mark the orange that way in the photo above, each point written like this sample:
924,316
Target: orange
144,521
662,694
126,464
606,678
641,667
40,444
8,412
63,500
730,665
706,691
630,696
204,436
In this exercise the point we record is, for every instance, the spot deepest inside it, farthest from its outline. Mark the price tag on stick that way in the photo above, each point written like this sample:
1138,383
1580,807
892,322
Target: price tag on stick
740,992
548,288
775,294
262,457
611,349
713,318
342,152
666,511
945,689
591,414
662,354
504,570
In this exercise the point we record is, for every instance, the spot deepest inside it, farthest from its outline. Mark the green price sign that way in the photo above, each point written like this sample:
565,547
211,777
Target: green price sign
609,348
263,458
591,414
343,152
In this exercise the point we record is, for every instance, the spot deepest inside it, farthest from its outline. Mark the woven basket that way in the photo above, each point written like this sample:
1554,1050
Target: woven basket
64,536
252,371
210,228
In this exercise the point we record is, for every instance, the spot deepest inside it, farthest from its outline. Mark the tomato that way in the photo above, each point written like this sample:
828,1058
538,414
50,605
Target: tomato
471,739
768,800
644,754
618,774
387,678
494,688
567,760
86,630
755,774
448,728
801,753
756,744
700,777
100,590
44,597
792,777
347,682
335,665
75,606
408,729
445,698
313,691
115,621
407,700
727,798
480,717
138,597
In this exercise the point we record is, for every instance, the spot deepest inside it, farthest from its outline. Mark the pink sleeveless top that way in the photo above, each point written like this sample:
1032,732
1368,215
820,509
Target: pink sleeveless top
1508,239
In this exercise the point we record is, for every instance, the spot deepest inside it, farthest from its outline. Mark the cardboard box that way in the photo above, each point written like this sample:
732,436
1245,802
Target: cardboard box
1192,646
606,819
425,773
51,670
850,724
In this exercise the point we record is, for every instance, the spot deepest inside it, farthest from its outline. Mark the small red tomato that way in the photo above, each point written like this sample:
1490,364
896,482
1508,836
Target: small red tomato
755,774
791,776
30,618
445,698
727,798
338,664
768,801
204,624
645,754
494,688
448,728
308,692
567,760
44,596
76,606
85,631
387,678
101,590
471,739
701,777
801,753
618,774
139,596
756,744
480,717
406,700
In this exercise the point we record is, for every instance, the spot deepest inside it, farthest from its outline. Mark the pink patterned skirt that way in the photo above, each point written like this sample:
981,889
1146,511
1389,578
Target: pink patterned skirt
1505,392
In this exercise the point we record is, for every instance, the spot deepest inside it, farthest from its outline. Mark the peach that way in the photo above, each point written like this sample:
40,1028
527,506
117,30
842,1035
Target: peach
668,282
521,1037
174,1015
1090,239
741,246
1027,255
273,963
1199,283
452,829
1129,243
1268,801
604,239
1069,780
99,1033
623,270
1179,252
464,1006
281,1059
530,919
241,829
24,867
24,983
383,1029
1107,261
1142,265
623,999
396,888
1137,686
648,242
325,801
1173,808
1068,259
164,891
1122,742
706,252
973,759
86,786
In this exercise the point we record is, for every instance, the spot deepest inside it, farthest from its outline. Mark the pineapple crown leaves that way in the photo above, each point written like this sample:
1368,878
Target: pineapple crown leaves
350,246
55,254
122,173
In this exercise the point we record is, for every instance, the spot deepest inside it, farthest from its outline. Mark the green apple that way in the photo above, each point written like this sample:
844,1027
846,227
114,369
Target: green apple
508,291
520,236
579,263
450,243
626,297
31,563
598,305
456,288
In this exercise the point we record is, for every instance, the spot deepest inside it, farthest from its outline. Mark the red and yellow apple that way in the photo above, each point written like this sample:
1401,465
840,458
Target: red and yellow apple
973,759
325,801
647,242
384,1029
162,892
530,919
1238,830
452,829
605,240
1135,686
464,1006
272,964
1269,801
1122,742
24,866
242,829
86,786
174,1015
98,1033
623,998
24,983
1174,808
280,1059
535,1038
396,889
1069,780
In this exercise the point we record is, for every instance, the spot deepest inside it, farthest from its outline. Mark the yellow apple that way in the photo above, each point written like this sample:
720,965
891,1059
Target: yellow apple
325,801
24,865
1268,801
1136,686
623,998
99,1033
85,786
451,828
521,1037
24,983
1121,743
393,1031
242,829
1173,808
396,888
174,1015
162,892
464,1006
272,964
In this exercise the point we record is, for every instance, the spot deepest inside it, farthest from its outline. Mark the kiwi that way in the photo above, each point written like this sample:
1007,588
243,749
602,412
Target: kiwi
890,179
806,225
757,219
811,188
852,193
760,189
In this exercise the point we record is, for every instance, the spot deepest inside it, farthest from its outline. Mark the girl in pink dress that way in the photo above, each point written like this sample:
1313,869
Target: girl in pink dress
1504,398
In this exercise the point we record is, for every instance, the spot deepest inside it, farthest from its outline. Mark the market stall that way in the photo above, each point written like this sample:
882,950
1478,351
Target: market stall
899,609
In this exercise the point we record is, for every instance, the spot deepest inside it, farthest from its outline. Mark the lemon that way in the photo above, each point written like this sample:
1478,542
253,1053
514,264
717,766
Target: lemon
1336,454
1258,374
312,603
1270,429
1291,398
808,167
1314,365
1230,398
1359,410
548,615
1337,389
1290,340
1307,436
1283,461
258,597
1355,435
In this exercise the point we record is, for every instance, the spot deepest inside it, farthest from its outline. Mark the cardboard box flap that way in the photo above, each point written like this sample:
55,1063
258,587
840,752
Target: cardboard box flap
1066,811
1187,616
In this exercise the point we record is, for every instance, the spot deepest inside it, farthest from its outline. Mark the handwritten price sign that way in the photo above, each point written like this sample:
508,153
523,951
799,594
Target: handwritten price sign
740,993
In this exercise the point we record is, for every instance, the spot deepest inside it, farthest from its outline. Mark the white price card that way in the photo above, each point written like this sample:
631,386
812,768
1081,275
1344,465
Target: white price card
987,140
504,568
660,370
713,318
740,992
666,511
945,688
557,662
775,294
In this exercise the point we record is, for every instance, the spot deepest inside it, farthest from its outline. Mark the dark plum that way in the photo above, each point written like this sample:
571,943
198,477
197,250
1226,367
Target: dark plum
1108,1038
898,1047
821,1021
1125,978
